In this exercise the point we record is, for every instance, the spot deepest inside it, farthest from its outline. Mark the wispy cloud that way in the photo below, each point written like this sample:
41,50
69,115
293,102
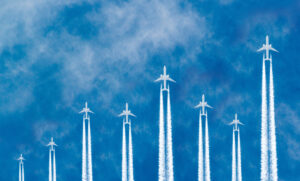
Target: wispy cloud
289,129
127,35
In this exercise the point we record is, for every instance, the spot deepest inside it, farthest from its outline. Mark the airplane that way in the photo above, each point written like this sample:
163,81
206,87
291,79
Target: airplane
21,158
164,78
236,122
52,144
86,110
203,104
267,47
126,113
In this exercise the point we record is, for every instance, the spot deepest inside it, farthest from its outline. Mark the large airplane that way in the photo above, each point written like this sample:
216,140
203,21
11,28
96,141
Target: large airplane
21,158
86,110
164,78
268,47
203,104
236,122
52,144
126,113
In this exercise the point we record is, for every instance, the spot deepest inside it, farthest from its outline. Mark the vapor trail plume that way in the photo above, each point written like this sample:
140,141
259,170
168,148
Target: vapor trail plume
90,168
20,172
131,178
23,172
161,166
264,137
169,140
124,155
83,153
50,166
54,166
239,157
200,153
233,177
272,134
207,160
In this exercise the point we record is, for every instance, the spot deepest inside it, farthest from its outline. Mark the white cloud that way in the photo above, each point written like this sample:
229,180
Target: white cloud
289,129
129,34
44,130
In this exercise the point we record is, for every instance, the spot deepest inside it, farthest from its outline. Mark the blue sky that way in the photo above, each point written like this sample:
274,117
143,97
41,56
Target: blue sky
55,55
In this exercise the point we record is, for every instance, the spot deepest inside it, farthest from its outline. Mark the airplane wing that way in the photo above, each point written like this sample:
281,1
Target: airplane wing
132,115
208,106
90,111
271,48
81,111
171,80
122,114
159,79
261,49
231,123
199,105
241,123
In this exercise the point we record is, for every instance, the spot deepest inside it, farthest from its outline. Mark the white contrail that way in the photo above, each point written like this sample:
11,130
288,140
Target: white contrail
23,172
124,155
161,166
233,176
272,134
200,153
20,172
207,160
54,166
169,140
239,157
131,177
264,137
90,168
50,166
83,153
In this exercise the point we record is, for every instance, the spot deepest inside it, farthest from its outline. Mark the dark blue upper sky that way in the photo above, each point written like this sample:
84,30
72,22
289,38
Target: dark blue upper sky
55,55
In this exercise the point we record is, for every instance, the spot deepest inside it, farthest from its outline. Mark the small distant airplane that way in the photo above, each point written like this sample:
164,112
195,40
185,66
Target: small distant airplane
236,122
164,78
86,110
52,144
203,104
268,47
126,113
21,158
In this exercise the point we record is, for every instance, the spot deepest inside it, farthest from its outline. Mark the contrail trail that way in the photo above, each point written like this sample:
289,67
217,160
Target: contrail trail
23,172
207,160
131,178
264,137
239,161
161,169
52,161
268,129
84,153
124,155
90,168
272,128
87,174
200,154
233,177
169,140
50,166
54,166
127,164
20,172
